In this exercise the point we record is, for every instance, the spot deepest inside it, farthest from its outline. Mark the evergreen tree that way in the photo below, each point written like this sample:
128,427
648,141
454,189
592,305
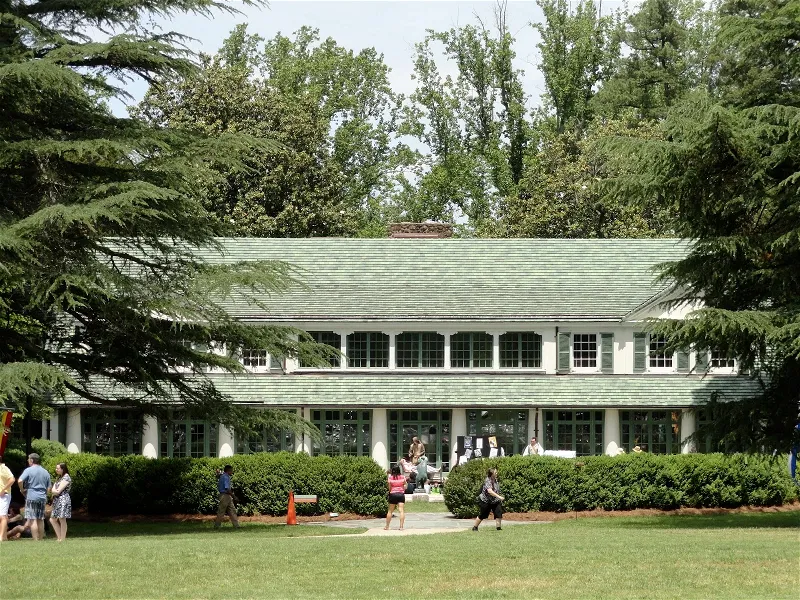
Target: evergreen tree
654,72
104,290
730,169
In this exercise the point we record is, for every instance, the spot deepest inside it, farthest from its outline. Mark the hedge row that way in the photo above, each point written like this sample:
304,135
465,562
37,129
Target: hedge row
138,485
543,483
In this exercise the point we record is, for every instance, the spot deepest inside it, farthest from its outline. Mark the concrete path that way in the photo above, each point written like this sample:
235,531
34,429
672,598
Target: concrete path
423,523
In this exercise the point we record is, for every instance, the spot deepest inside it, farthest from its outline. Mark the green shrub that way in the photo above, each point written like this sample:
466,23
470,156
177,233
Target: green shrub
138,485
17,460
544,483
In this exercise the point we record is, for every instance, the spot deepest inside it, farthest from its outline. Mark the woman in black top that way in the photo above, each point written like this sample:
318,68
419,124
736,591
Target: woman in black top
490,501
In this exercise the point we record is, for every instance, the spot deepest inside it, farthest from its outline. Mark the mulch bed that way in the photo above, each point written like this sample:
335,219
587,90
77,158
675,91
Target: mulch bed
647,512
82,515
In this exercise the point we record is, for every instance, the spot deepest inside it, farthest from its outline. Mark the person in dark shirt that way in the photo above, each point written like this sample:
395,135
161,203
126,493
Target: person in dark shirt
490,501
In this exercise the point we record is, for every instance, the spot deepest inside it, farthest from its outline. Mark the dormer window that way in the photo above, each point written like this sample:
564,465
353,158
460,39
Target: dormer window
658,358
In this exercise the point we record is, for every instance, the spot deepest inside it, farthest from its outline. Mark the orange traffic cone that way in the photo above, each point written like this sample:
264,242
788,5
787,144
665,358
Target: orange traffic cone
291,517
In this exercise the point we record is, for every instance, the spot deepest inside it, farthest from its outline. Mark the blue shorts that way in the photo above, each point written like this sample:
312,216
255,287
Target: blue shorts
34,510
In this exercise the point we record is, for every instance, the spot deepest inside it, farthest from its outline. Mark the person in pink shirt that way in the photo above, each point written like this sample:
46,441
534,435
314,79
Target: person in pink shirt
397,497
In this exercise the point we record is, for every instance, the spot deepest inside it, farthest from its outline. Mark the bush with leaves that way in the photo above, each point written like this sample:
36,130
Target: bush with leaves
624,482
261,482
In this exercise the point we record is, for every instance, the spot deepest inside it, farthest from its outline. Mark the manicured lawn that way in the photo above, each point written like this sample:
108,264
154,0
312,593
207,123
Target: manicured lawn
425,507
734,556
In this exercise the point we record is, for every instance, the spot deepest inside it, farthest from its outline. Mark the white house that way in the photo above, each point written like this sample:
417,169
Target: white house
447,337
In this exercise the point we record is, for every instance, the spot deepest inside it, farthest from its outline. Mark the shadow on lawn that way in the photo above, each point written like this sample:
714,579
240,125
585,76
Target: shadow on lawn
786,519
80,529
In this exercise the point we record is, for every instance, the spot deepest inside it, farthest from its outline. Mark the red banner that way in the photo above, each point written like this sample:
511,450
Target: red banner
5,423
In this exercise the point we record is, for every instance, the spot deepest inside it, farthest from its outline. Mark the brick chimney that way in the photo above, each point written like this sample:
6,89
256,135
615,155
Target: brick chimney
421,230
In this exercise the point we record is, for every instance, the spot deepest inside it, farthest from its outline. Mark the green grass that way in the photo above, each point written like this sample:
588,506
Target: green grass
751,556
425,507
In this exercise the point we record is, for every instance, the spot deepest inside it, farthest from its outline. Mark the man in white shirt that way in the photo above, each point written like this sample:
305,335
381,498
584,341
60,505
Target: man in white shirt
533,448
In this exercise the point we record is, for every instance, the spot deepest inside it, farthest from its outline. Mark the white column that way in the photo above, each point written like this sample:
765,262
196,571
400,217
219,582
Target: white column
150,437
299,440
73,430
532,426
392,350
380,437
549,351
225,443
343,348
688,427
304,441
611,434
54,425
458,426
496,350
291,364
447,361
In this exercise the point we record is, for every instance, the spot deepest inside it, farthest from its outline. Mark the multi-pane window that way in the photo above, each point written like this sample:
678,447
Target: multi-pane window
255,359
420,350
584,350
260,360
368,349
112,432
432,427
330,338
578,430
658,359
267,440
184,436
521,349
471,349
720,361
344,432
656,431
708,437
510,427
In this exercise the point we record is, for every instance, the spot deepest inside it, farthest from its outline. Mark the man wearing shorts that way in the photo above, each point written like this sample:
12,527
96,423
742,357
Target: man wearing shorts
6,481
33,483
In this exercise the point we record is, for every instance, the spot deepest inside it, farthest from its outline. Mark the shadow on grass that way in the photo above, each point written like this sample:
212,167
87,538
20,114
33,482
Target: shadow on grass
82,529
785,519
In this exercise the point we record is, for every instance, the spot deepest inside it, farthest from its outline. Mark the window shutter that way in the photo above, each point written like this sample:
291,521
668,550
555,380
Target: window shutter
639,352
683,361
607,352
701,364
563,352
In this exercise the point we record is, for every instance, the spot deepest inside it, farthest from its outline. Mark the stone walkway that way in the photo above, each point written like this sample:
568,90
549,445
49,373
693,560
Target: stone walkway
423,523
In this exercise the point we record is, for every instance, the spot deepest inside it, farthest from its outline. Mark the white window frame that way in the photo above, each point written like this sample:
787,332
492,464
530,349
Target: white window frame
648,357
269,362
597,354
727,369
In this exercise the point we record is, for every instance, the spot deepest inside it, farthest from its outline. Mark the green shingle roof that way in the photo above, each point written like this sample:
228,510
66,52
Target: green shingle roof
453,279
480,390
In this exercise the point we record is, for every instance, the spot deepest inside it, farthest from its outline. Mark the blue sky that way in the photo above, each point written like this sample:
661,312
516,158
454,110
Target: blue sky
392,27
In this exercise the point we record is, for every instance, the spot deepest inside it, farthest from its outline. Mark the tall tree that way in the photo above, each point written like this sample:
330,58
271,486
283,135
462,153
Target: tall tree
560,195
660,65
577,52
104,289
331,109
730,168
474,126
